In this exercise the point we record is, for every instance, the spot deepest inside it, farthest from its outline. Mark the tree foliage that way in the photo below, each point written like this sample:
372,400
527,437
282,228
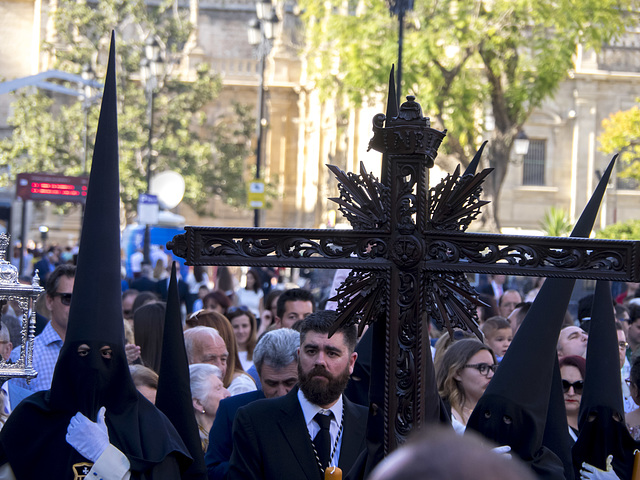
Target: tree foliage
629,230
462,59
621,134
556,223
48,132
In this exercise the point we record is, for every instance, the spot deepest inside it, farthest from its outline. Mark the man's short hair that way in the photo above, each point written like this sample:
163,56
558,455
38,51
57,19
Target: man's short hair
129,292
523,308
294,295
634,312
143,376
584,307
493,324
322,321
622,312
193,336
511,290
434,453
53,280
277,348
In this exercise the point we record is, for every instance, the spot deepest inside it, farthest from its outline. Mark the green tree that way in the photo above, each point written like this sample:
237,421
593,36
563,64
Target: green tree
556,223
629,230
463,60
621,133
48,133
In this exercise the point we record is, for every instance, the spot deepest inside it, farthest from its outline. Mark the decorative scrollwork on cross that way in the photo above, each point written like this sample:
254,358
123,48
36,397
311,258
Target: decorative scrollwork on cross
408,254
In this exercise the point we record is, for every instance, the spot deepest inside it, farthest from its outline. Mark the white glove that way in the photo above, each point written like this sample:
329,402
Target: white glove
592,473
90,439
503,450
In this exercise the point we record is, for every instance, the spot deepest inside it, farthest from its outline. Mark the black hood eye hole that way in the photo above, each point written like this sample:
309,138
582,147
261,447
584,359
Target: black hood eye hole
83,350
487,414
106,352
507,419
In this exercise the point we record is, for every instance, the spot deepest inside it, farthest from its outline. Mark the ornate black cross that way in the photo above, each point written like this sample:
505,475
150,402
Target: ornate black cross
408,252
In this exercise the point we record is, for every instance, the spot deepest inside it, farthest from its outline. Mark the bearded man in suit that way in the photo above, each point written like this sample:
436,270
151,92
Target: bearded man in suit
314,427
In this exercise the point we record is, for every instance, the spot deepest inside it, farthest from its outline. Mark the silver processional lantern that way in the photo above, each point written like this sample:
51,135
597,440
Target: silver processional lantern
23,297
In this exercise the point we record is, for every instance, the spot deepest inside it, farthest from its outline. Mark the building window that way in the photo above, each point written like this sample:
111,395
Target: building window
533,163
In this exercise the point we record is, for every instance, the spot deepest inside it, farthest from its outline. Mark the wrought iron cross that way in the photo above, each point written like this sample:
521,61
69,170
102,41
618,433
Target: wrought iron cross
408,252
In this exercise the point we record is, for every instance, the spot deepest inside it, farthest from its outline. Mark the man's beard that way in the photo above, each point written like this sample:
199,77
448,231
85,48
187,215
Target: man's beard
318,391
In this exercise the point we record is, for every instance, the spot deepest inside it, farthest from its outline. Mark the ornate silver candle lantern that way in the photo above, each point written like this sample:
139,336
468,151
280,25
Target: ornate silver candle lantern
24,297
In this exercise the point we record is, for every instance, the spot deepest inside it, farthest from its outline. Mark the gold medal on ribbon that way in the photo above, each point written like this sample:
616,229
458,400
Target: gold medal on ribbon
333,473
636,465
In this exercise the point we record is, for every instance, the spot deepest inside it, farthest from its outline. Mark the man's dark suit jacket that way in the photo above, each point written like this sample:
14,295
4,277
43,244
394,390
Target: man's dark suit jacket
144,284
220,442
162,288
271,440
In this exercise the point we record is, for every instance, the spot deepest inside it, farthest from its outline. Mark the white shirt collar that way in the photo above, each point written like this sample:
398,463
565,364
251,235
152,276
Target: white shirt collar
309,410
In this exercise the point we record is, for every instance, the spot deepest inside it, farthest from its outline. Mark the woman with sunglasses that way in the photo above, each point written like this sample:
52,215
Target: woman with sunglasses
466,369
572,368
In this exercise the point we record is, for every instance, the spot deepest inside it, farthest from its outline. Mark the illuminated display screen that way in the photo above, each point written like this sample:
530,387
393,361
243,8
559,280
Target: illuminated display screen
54,188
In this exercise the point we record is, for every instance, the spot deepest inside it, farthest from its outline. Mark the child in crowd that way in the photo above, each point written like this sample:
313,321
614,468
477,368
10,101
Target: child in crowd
497,335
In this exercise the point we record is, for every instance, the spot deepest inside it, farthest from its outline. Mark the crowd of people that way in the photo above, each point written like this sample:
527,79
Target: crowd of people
275,387
237,357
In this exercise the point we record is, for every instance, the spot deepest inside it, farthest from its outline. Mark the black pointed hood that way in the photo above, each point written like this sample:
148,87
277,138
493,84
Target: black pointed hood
601,420
174,390
98,265
95,314
517,399
84,383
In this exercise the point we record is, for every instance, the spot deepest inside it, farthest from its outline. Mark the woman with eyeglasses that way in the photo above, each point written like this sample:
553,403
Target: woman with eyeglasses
572,369
244,327
633,418
463,374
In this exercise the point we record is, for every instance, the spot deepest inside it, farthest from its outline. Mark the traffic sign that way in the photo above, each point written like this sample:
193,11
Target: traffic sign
148,209
255,195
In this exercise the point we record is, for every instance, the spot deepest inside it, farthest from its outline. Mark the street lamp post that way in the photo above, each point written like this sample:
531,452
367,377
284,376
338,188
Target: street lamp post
400,7
261,33
87,75
151,65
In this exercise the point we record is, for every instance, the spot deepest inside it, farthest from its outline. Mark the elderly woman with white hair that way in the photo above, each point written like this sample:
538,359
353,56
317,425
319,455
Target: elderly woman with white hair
206,392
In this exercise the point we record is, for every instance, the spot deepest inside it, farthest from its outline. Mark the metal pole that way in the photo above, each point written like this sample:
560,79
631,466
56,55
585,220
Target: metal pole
147,230
259,127
23,236
85,107
400,42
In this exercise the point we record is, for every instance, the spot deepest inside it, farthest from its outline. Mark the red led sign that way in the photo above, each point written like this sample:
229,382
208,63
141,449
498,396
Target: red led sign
54,188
